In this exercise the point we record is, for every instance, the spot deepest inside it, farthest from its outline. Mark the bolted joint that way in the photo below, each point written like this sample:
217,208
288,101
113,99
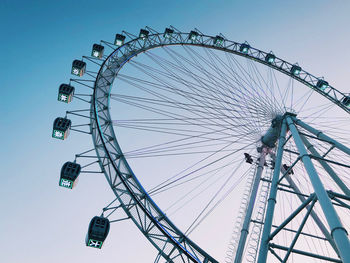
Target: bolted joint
339,228
272,199
304,155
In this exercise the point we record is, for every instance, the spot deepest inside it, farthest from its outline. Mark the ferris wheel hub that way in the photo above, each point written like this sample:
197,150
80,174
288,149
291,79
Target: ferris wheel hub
271,136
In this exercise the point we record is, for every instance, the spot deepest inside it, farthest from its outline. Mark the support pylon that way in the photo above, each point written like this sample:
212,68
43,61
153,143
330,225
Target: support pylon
336,234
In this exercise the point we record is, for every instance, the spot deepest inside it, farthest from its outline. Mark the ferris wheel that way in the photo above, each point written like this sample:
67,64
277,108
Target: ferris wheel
185,124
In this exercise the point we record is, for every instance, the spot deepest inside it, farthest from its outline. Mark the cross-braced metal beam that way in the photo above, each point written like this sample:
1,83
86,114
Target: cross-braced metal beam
338,232
248,215
337,235
273,193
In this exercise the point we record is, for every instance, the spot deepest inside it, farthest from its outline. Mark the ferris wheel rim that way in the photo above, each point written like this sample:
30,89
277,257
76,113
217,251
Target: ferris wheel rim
95,125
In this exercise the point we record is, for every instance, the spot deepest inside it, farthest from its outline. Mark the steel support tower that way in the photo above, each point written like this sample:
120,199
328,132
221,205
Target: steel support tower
335,233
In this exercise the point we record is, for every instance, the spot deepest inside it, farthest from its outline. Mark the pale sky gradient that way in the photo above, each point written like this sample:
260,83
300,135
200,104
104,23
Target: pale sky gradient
41,222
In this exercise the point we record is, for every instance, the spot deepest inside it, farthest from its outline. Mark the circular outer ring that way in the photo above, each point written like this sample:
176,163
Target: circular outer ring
171,243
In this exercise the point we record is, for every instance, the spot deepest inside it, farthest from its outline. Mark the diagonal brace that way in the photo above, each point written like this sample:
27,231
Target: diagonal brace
326,166
337,230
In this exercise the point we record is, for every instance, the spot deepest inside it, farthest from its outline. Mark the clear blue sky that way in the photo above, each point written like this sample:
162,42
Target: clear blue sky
39,39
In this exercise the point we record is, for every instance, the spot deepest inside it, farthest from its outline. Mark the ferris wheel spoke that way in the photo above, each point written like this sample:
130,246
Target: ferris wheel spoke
204,215
286,92
255,79
227,84
175,116
304,101
197,219
182,142
175,148
179,176
187,94
205,176
249,81
228,192
265,86
165,99
194,88
186,109
320,112
262,111
230,84
207,108
271,107
216,128
251,97
217,83
255,121
275,82
183,106
201,81
201,191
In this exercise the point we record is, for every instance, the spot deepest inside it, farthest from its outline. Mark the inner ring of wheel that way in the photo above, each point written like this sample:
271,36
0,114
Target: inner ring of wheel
171,243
